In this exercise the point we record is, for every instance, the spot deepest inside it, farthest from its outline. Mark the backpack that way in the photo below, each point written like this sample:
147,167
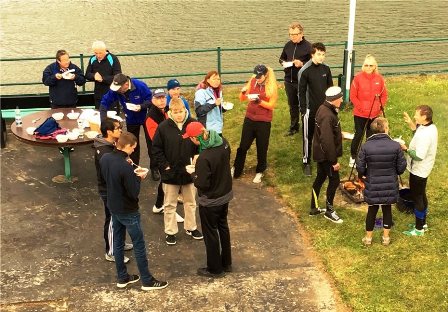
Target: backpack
49,126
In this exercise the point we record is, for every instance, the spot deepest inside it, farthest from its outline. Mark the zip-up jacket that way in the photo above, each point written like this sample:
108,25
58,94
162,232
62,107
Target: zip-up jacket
212,175
295,51
102,146
367,90
123,185
169,149
139,93
63,92
314,80
207,112
107,68
327,140
154,118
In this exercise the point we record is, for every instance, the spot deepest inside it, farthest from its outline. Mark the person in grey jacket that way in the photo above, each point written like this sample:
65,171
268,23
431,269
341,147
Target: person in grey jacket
379,162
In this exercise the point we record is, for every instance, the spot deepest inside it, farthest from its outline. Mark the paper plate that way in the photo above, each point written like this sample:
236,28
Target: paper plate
227,105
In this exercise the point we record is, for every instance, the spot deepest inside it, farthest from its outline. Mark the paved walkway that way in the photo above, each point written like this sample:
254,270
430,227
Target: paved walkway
52,255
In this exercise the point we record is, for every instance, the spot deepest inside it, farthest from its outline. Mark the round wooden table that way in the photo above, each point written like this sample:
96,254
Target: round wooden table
36,119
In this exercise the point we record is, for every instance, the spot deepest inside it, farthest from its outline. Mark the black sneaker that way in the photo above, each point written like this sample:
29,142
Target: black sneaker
316,211
155,284
170,239
206,273
195,234
227,268
332,216
131,279
307,170
291,132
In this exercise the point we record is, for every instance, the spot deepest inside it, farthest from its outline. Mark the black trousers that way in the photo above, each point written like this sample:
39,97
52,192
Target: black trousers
260,131
360,123
372,210
160,195
308,124
324,170
216,237
417,186
107,231
135,130
292,90
152,164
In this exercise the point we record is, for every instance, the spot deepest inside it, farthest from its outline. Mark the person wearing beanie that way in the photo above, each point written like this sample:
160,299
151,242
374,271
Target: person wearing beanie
368,94
212,178
174,92
296,52
261,93
208,100
314,79
327,147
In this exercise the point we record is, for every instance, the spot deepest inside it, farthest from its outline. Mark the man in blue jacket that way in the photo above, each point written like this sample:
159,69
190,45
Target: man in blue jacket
62,77
135,98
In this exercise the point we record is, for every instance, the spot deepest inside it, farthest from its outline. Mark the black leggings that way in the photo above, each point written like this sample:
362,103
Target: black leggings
371,216
360,124
324,170
417,186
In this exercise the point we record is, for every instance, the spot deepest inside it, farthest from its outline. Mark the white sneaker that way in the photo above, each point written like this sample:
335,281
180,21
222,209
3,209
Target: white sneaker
112,258
232,171
351,163
128,246
157,210
179,219
258,177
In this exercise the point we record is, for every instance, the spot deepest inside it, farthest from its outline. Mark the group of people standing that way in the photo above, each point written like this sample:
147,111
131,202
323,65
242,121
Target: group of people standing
190,156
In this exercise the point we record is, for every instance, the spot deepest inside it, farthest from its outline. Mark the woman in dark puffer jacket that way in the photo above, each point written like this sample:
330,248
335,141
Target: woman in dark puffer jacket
379,163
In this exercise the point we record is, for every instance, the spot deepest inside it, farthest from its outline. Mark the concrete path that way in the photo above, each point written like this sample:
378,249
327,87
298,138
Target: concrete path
52,250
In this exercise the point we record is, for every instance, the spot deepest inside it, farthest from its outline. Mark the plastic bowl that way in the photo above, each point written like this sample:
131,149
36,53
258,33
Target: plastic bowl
91,134
62,138
73,115
227,105
30,130
58,116
140,171
73,135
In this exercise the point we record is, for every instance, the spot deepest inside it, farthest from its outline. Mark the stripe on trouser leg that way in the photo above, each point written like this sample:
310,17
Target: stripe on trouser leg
110,237
305,136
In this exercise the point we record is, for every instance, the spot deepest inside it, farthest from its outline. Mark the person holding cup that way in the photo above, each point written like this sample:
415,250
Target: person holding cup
261,92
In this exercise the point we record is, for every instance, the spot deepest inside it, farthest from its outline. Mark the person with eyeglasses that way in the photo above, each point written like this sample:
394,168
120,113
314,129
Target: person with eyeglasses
368,94
103,144
296,52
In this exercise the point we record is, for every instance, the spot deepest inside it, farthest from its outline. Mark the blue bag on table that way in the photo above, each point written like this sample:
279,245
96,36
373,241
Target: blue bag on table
49,126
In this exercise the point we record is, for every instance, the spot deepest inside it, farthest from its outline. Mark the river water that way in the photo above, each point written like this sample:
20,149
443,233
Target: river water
39,28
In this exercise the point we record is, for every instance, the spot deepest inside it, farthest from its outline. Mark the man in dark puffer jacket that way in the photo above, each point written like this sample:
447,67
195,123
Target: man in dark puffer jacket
379,162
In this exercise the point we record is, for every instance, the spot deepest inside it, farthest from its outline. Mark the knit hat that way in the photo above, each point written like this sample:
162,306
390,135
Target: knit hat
194,129
333,93
118,82
173,83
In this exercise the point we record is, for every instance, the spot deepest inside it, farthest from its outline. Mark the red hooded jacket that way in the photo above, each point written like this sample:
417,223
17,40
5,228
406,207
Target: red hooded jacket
363,92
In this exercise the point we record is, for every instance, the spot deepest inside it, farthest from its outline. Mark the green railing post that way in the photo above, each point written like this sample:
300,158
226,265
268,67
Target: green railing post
81,60
218,51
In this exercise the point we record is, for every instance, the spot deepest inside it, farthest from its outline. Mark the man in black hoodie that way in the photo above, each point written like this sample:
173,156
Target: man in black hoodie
110,132
296,52
123,187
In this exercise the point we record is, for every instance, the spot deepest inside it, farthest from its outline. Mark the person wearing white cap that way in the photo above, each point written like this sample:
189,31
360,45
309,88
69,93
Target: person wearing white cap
327,147
135,98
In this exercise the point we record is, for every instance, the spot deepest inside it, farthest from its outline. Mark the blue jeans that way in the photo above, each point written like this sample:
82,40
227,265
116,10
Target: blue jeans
131,223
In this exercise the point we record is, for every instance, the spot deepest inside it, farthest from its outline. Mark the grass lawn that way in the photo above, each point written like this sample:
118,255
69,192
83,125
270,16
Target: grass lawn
412,273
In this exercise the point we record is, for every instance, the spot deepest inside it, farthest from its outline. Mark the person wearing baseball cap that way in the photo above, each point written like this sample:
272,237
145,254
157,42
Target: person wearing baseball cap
327,147
135,99
213,180
174,92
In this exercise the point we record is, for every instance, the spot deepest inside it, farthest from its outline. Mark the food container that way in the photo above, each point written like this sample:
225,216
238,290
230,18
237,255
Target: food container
190,168
140,171
62,138
73,115
30,130
227,105
132,107
58,116
253,96
73,135
91,134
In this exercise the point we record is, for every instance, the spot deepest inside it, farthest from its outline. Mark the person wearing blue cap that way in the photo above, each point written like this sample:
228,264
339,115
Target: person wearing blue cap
174,92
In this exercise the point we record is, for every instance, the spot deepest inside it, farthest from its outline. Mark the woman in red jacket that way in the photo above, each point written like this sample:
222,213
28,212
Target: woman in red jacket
261,94
368,95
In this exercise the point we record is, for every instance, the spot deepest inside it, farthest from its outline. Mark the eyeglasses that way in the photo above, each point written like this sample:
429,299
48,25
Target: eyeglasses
297,34
368,65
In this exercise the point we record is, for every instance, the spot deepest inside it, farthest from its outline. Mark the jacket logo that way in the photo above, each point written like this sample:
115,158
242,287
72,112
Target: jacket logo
324,75
137,97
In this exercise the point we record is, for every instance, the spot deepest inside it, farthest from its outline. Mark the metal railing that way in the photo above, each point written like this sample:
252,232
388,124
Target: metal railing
219,57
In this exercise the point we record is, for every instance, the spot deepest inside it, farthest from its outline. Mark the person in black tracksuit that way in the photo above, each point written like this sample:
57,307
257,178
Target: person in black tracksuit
213,180
61,82
314,79
102,68
297,51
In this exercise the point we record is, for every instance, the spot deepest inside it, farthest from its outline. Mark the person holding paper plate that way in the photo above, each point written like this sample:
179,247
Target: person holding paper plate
261,92
297,51
208,100
62,77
